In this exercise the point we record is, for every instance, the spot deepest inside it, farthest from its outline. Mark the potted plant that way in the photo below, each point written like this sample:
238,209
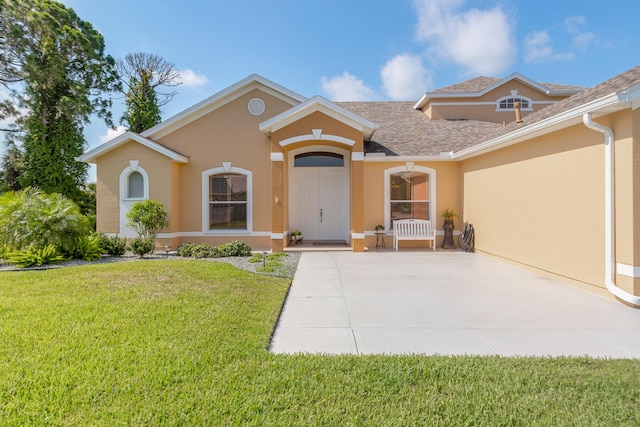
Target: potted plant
379,228
296,236
447,242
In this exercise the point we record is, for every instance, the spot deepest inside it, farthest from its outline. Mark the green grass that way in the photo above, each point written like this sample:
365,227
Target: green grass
183,343
271,263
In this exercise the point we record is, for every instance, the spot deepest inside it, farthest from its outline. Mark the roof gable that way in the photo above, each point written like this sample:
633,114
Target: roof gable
618,93
480,86
254,81
91,156
318,104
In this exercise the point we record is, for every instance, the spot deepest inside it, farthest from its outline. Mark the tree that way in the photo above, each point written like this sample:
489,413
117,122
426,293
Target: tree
147,218
63,73
11,166
142,74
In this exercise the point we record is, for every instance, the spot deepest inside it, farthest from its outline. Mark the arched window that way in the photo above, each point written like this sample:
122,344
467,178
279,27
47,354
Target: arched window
135,186
507,103
409,193
226,199
318,159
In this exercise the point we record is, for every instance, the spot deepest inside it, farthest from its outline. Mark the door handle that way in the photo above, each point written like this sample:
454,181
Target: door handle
320,214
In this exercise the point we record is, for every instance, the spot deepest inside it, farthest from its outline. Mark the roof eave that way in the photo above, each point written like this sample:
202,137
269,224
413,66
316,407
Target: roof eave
318,103
92,155
607,104
219,99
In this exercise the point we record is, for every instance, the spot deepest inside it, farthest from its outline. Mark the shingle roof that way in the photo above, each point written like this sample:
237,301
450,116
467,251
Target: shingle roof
404,131
474,85
616,84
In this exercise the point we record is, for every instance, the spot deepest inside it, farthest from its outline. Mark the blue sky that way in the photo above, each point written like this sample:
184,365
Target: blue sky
362,50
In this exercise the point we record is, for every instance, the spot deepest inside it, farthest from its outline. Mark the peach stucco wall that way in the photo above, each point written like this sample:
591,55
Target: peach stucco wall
483,107
159,170
541,203
448,194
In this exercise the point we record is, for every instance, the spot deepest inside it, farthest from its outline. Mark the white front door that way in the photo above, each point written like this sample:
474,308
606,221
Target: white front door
319,202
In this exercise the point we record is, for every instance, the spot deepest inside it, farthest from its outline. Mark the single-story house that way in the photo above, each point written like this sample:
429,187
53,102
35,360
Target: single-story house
530,164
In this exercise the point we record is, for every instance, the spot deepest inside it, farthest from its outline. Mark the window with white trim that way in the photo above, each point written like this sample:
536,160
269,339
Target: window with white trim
408,195
228,201
507,103
135,185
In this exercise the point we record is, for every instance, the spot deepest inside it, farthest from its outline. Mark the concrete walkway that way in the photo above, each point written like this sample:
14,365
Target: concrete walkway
445,303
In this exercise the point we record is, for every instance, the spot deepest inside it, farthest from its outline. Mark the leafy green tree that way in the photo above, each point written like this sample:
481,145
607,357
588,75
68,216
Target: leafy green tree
142,75
147,218
11,166
55,65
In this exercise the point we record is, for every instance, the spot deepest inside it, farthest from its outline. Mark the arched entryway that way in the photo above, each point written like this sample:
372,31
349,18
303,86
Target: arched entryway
319,193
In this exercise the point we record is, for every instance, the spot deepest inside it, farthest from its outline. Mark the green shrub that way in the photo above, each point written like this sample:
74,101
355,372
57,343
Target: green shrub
32,219
112,245
142,245
186,250
235,248
34,256
147,218
205,250
86,248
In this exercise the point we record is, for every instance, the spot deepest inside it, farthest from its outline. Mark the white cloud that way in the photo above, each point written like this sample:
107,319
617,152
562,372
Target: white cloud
404,77
538,48
192,79
347,87
479,40
112,133
575,26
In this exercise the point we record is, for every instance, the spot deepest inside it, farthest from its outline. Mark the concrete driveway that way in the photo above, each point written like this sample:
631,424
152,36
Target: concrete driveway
447,303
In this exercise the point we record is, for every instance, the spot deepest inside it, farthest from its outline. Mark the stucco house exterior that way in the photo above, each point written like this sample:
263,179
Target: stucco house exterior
530,164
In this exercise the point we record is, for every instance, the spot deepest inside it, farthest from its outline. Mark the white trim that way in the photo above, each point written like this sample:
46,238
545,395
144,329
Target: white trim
466,104
92,155
205,198
256,102
609,104
311,137
318,104
628,270
346,174
277,157
277,236
514,96
387,191
401,159
514,76
125,202
225,96
230,233
357,156
357,236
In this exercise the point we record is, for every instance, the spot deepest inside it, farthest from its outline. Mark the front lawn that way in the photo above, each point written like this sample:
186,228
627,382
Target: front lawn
184,343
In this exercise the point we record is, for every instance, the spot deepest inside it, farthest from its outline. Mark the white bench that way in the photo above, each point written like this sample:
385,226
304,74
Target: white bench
413,229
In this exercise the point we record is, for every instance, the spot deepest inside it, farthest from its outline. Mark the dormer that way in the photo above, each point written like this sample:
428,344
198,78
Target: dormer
491,99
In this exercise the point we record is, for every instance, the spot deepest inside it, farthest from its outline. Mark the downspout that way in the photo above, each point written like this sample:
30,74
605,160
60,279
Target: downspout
609,212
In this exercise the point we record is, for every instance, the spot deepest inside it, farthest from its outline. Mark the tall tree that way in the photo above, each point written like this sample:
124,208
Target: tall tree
142,75
64,74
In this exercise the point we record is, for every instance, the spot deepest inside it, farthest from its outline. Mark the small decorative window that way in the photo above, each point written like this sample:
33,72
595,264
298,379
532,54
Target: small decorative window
135,186
228,201
507,103
318,159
